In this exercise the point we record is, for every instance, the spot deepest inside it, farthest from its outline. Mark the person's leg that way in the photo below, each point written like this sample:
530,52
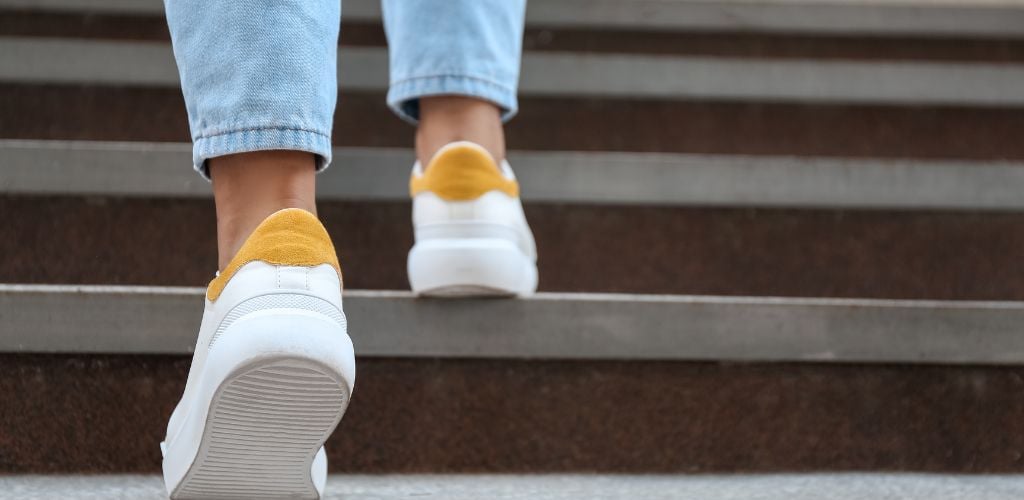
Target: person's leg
248,187
258,77
454,69
448,118
273,366
454,72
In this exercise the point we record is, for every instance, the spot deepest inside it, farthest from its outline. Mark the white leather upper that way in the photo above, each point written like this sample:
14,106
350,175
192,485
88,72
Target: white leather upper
252,281
492,215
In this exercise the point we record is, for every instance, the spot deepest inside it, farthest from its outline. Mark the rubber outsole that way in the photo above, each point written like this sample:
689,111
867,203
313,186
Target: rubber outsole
470,267
462,291
266,424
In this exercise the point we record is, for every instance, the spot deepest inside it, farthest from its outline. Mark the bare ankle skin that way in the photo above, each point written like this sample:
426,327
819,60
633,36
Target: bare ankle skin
248,187
445,119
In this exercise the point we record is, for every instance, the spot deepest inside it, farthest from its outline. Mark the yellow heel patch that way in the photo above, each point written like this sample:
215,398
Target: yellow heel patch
460,173
289,237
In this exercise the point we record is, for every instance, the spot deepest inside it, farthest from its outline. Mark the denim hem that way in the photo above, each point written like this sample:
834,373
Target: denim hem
261,139
403,96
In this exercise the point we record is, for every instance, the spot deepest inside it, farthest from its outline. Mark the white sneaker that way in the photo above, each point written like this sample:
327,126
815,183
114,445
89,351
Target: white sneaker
472,238
272,371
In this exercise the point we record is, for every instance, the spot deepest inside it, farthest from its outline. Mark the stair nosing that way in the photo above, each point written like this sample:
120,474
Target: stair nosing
150,169
145,63
164,320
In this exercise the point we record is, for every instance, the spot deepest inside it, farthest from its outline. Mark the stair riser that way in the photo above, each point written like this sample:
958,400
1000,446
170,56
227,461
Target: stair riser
711,127
520,416
635,249
980,19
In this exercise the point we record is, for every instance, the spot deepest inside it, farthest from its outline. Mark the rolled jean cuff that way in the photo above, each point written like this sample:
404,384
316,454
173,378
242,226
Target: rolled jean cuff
261,139
403,97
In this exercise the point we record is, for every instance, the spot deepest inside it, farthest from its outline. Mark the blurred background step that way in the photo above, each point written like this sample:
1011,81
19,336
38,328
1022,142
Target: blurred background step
944,255
975,18
893,200
568,487
119,113
93,21
50,60
141,169
163,320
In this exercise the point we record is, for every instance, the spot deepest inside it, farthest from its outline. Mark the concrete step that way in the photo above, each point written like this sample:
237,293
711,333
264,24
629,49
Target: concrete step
161,170
569,487
558,383
69,61
738,42
919,17
163,320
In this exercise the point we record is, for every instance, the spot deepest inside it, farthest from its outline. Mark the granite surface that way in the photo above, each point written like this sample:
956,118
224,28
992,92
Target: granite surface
584,248
107,414
566,487
560,123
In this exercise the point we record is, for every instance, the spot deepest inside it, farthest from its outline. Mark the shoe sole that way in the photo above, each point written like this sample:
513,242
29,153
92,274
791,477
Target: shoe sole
470,267
278,385
264,428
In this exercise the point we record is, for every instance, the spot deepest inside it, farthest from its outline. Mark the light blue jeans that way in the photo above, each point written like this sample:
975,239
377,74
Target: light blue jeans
262,74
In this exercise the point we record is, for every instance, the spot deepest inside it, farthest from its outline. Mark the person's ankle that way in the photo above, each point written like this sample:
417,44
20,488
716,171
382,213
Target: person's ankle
447,119
249,187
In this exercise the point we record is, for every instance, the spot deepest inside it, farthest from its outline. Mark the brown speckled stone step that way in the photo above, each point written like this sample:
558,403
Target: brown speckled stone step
712,127
65,413
633,249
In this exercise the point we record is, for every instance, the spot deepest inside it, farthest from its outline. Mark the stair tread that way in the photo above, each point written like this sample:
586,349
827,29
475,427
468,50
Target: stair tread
571,487
160,169
126,319
65,60
622,39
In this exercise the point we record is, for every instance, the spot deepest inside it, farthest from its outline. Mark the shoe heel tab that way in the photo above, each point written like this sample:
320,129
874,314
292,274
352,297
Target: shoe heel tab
289,237
462,171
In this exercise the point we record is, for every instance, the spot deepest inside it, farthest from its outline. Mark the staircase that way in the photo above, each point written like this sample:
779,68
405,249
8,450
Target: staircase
779,247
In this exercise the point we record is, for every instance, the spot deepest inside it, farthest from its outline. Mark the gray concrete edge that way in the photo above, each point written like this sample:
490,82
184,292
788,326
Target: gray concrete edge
164,320
790,486
164,170
95,62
